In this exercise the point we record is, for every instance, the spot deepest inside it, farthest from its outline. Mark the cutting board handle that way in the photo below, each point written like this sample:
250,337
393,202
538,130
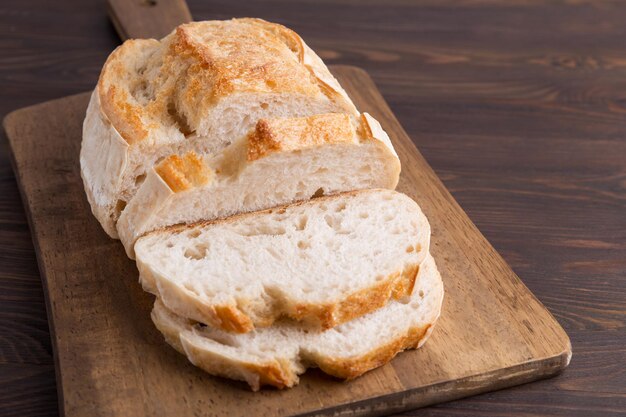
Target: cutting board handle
147,18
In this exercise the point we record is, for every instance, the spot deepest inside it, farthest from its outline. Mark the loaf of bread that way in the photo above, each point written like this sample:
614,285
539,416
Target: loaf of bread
280,162
198,89
259,205
278,354
322,262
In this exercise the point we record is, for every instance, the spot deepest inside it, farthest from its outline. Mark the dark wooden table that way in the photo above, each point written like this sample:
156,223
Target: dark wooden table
519,106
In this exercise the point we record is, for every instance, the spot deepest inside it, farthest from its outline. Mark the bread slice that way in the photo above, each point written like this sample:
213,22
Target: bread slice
198,89
277,355
280,162
322,262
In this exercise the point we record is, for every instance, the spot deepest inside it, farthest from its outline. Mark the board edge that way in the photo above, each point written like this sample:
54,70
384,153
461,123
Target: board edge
396,402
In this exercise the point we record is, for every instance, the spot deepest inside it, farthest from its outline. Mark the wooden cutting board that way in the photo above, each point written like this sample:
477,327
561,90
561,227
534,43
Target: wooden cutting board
493,333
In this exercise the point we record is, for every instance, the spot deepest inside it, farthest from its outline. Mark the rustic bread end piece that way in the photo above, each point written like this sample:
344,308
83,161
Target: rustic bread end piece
198,89
277,355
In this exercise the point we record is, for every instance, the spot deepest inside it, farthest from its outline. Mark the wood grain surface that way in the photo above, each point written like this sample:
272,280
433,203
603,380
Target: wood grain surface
111,361
518,106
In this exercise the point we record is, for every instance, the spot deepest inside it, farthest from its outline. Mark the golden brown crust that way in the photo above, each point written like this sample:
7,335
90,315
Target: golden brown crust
233,320
284,135
114,86
146,84
286,35
123,115
404,286
357,366
359,303
325,316
241,55
363,128
183,173
276,374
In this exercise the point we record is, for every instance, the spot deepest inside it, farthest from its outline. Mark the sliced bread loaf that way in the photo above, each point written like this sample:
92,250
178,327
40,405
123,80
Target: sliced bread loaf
280,162
322,262
278,354
198,89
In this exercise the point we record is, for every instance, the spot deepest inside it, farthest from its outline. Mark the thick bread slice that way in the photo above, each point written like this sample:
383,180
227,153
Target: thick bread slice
277,355
198,89
322,262
280,162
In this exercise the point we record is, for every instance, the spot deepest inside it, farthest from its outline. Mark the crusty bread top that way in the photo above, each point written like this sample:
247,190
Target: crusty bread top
244,55
176,81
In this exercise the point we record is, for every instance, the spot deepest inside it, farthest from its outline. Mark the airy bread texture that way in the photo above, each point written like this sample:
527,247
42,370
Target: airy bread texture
198,89
277,355
280,162
322,262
